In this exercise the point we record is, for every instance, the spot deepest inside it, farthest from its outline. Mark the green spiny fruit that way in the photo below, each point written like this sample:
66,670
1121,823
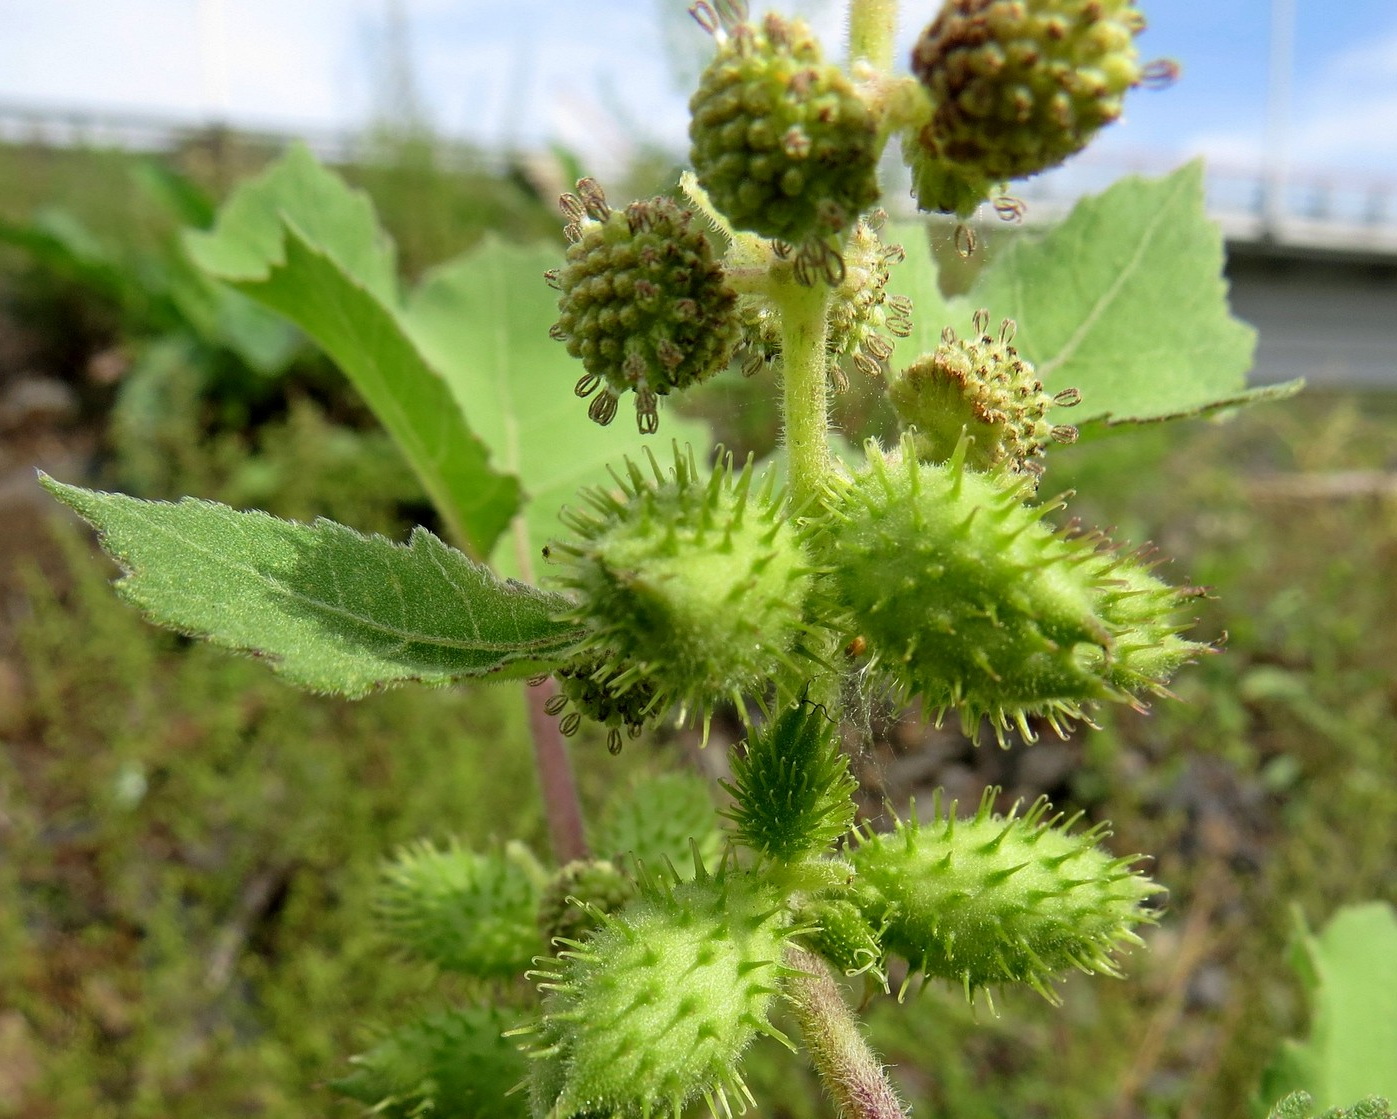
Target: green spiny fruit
695,586
643,302
1301,1105
657,820
1148,616
577,895
792,788
454,1065
658,1005
1000,899
980,387
466,912
780,140
839,931
968,598
1015,87
583,688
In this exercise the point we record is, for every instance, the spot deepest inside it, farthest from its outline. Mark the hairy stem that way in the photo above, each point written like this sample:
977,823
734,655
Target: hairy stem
846,1066
556,784
805,395
872,30
555,779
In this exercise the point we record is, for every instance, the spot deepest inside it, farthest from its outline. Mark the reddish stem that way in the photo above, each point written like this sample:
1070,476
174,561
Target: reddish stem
555,778
851,1074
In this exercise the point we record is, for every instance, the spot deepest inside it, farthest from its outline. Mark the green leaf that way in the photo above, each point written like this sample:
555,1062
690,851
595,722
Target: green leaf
297,240
246,241
331,609
483,320
917,277
1352,1049
59,242
1125,300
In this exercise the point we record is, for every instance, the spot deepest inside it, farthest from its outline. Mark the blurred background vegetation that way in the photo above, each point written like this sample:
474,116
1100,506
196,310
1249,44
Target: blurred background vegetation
188,848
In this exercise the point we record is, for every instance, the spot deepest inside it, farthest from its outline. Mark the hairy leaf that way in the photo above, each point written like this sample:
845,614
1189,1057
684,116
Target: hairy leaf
331,609
246,240
1125,300
483,320
300,242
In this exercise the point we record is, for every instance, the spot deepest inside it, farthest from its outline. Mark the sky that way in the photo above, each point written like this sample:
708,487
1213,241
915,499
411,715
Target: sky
598,76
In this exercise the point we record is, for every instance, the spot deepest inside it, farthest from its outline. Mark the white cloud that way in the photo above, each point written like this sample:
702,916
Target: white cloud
1342,118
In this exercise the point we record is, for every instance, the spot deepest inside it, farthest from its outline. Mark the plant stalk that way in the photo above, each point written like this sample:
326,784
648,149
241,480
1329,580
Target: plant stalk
805,395
872,32
846,1065
557,785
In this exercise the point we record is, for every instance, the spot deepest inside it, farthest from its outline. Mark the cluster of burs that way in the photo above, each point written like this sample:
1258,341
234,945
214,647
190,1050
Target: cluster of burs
930,573
932,563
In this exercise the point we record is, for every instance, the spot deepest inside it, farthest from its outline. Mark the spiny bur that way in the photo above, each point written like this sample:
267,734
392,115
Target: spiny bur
1301,1105
780,140
966,596
657,1005
578,893
993,900
464,911
1014,87
982,388
657,820
642,302
841,932
694,586
792,788
455,1063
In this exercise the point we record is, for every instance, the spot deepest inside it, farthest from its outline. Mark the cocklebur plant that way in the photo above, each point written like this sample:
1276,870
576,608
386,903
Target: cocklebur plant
678,581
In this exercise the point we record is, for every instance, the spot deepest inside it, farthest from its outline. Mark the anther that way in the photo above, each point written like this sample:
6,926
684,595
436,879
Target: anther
705,17
1010,209
593,199
965,241
866,365
732,12
1160,74
647,415
603,408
